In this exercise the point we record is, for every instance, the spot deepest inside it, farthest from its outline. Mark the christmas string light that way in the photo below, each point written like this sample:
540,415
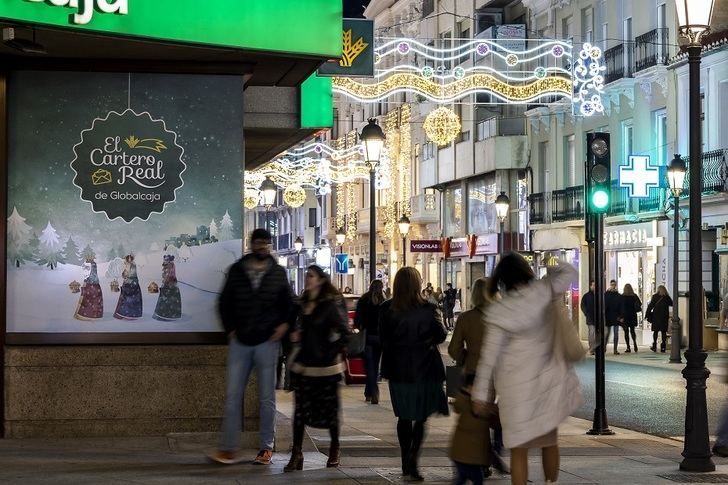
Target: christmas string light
294,195
405,46
444,93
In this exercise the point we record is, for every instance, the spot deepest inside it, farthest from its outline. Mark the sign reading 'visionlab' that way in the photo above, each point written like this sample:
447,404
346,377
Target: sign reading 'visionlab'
128,165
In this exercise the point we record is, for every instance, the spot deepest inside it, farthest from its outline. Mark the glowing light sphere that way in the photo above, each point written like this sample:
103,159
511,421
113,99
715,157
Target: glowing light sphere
442,126
511,59
557,51
540,72
403,47
251,198
427,72
458,72
482,49
294,196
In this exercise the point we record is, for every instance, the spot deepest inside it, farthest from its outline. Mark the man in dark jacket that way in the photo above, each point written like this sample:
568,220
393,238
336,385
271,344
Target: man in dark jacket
451,295
613,313
587,308
256,307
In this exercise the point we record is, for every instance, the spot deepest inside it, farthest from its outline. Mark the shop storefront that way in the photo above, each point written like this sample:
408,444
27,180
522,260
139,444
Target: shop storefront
563,244
632,258
427,255
124,133
469,259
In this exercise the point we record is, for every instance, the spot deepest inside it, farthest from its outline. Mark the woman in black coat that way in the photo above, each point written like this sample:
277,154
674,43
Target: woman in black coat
410,330
321,332
367,319
631,306
658,314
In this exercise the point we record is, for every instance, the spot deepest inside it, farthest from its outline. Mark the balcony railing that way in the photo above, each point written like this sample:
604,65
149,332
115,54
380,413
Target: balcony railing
499,127
567,204
538,208
715,172
619,61
651,49
620,200
652,203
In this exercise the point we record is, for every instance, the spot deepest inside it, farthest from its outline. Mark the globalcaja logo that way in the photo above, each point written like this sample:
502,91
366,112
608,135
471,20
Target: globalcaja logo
128,165
85,8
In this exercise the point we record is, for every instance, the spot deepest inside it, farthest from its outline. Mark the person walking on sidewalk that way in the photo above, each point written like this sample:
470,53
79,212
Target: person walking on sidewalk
658,314
367,319
537,388
321,333
449,297
587,308
631,306
613,313
471,448
256,306
410,330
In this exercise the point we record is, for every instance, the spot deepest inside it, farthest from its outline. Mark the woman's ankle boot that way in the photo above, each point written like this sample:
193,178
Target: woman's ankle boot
334,455
296,462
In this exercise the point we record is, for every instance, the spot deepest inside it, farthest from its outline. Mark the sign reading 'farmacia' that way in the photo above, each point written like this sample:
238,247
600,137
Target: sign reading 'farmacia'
128,165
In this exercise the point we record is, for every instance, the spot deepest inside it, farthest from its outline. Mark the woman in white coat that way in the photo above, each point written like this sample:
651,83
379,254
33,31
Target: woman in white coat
536,388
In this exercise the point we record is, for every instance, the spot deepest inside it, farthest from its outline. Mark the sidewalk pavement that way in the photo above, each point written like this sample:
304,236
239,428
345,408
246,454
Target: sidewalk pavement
370,455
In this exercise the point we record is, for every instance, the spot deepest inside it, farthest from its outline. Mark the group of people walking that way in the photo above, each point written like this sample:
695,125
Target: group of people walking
516,379
622,311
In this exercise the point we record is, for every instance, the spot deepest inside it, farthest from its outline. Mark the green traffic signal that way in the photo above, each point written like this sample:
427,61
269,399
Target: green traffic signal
599,200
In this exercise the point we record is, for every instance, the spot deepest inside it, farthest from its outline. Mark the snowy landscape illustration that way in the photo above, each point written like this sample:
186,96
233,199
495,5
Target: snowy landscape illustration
73,270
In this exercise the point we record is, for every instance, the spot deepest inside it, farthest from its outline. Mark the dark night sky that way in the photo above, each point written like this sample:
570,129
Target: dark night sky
354,8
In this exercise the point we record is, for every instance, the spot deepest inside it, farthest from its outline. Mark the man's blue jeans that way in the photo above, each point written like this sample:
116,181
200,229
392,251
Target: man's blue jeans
240,362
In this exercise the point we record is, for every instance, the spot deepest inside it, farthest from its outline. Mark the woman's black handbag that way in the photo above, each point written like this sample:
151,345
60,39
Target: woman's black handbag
356,343
453,380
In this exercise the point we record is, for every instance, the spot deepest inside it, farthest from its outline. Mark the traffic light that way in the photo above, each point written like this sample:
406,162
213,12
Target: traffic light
598,173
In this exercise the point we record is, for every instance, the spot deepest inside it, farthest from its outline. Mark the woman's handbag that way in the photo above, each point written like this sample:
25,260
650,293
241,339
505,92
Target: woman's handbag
567,339
356,343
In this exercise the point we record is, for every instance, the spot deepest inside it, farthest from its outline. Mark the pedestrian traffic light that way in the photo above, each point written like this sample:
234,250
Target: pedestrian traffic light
598,173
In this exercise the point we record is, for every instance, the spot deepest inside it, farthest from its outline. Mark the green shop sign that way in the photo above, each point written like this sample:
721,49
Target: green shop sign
310,27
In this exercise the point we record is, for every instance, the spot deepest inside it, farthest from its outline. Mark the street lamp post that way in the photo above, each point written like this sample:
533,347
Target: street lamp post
298,246
340,239
694,20
676,178
372,138
269,191
502,203
404,227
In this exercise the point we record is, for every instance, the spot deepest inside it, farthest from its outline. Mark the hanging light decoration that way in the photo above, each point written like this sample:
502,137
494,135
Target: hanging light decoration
294,196
442,126
251,198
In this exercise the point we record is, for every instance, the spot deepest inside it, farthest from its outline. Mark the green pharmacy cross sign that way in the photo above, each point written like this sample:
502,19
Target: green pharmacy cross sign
128,165
638,175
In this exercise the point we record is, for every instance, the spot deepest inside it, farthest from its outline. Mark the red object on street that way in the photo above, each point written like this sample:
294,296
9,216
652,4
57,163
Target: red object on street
355,372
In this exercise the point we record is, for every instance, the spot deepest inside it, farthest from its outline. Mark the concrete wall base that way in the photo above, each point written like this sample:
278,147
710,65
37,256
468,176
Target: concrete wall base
96,391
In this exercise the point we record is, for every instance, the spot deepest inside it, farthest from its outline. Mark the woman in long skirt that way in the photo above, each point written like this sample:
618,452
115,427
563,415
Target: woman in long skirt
129,306
321,333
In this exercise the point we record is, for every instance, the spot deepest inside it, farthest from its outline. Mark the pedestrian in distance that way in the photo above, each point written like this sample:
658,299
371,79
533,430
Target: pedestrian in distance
438,294
367,319
723,312
449,297
470,447
536,387
321,333
587,308
613,313
387,293
347,291
410,330
631,307
658,314
256,306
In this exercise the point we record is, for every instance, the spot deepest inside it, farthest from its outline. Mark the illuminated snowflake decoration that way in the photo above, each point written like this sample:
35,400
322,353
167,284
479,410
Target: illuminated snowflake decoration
403,47
512,60
458,72
588,81
540,72
427,72
557,51
482,49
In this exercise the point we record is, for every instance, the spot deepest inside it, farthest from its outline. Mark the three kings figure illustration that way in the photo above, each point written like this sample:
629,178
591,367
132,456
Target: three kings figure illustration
169,304
91,302
129,306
